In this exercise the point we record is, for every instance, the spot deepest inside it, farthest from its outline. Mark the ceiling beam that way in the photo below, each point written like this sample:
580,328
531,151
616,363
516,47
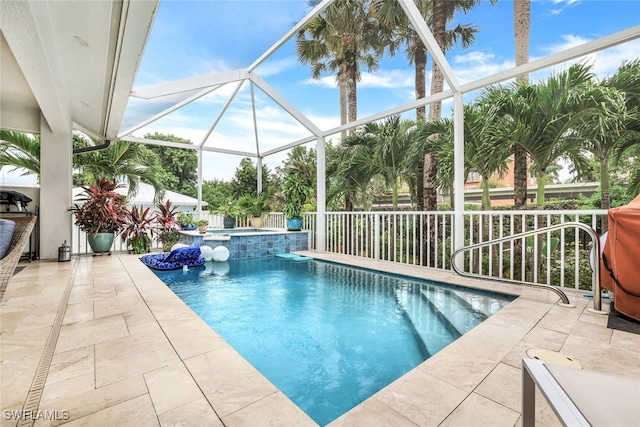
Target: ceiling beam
169,110
315,12
556,58
136,21
286,105
28,32
430,42
192,83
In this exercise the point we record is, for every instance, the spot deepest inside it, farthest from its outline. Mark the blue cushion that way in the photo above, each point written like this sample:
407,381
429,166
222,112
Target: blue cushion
189,256
6,233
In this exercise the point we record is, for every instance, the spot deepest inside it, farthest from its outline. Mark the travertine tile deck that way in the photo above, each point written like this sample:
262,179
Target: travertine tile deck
129,352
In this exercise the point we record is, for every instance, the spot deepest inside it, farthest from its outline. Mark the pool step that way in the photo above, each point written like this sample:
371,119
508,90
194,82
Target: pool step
294,257
439,315
287,255
431,327
454,309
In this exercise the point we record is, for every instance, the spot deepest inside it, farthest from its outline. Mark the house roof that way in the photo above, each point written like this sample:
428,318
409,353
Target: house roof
146,194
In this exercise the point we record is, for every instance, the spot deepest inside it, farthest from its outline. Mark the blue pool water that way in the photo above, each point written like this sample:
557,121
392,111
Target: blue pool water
326,335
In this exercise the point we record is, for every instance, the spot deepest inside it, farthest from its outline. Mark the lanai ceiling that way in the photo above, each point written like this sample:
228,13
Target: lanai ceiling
71,62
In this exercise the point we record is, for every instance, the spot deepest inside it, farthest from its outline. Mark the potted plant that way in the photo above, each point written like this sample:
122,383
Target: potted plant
229,210
202,225
102,214
168,225
254,207
186,221
137,230
295,195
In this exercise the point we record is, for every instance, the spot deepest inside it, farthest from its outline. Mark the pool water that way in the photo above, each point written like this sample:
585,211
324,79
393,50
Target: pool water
326,335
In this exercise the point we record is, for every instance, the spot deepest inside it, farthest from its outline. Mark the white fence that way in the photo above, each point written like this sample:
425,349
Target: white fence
558,258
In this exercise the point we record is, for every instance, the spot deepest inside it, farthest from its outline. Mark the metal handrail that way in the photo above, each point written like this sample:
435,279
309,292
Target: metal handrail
597,301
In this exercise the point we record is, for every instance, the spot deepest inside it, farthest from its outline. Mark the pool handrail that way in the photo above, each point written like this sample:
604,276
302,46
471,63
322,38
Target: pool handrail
597,299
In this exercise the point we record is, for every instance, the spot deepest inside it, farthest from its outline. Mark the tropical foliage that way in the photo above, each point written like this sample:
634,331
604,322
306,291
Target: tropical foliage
102,208
138,229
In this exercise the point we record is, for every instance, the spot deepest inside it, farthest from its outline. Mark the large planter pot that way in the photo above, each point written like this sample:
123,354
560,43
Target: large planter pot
256,221
294,224
189,227
100,242
229,222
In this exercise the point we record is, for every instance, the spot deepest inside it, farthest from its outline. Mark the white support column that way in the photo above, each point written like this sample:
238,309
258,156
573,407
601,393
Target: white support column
259,178
55,189
200,182
458,167
321,177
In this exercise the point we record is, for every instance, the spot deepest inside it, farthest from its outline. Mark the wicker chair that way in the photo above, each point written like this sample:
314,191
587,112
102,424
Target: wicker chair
20,239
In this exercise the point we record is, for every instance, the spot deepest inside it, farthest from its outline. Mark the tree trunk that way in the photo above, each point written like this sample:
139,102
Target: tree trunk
540,199
486,200
421,75
342,84
430,192
605,197
420,83
352,95
435,109
521,24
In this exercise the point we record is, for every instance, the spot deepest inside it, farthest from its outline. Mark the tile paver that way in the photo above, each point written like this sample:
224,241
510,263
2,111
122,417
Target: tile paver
131,353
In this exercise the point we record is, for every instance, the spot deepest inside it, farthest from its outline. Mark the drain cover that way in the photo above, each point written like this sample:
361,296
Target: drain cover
553,357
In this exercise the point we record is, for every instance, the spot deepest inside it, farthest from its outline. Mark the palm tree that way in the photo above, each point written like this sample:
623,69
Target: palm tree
341,39
443,12
610,124
383,151
544,120
521,29
486,146
122,161
433,136
20,151
391,15
350,166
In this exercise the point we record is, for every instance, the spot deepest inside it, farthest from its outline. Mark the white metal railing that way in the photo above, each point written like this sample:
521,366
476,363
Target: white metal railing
464,267
426,239
392,236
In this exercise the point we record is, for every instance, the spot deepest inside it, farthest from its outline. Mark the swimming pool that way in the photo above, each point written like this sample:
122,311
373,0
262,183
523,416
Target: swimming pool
326,335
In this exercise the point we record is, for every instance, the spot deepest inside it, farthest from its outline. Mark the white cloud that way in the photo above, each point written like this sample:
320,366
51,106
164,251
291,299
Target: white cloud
392,79
275,67
386,79
326,82
473,56
563,5
475,65
605,62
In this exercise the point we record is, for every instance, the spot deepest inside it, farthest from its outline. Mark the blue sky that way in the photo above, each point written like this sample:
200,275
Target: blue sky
191,38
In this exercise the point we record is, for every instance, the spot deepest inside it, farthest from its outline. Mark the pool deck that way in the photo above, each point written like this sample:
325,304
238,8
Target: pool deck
102,341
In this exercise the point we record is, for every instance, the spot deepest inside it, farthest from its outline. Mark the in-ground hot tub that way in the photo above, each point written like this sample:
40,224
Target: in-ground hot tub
245,243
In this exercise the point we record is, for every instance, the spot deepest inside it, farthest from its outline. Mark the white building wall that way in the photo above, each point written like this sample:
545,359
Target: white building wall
55,190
